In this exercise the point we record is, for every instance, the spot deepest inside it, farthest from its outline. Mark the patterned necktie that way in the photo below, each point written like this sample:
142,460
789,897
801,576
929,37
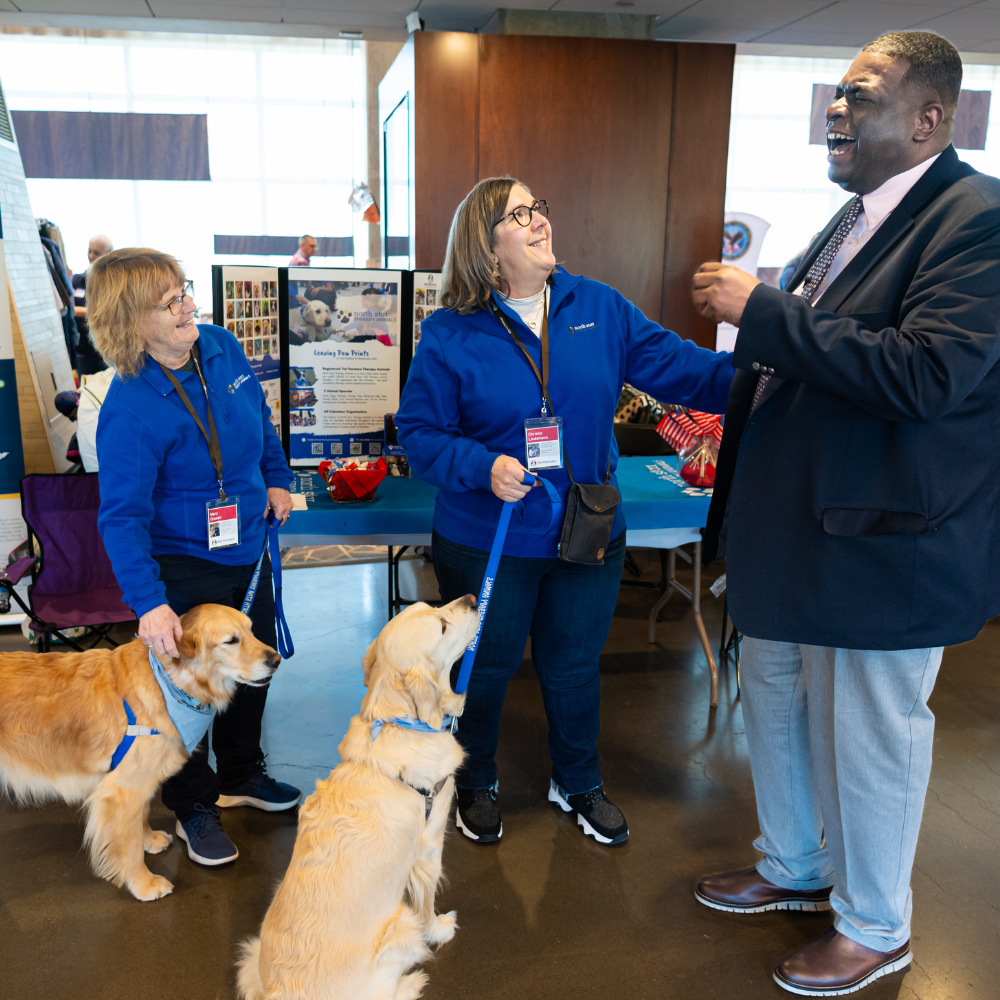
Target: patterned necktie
819,270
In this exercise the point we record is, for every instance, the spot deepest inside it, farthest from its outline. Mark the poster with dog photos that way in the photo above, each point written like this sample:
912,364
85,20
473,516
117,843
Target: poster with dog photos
344,330
426,290
250,313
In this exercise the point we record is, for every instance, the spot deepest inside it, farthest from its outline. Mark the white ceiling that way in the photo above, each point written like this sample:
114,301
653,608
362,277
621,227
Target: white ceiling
972,25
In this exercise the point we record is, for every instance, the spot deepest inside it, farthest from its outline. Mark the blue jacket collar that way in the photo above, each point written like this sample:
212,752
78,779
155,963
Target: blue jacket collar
209,347
561,284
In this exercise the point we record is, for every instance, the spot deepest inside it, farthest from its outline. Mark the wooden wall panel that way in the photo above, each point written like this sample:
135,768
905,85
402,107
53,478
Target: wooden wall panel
586,124
446,109
703,86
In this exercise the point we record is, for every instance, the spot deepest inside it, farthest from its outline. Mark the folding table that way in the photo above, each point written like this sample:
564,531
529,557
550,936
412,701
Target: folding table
661,511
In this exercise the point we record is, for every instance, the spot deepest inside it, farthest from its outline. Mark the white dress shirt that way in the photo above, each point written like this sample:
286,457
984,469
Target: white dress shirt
878,205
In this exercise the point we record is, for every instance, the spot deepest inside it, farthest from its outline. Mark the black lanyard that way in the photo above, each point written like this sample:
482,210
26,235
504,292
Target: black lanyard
211,437
543,375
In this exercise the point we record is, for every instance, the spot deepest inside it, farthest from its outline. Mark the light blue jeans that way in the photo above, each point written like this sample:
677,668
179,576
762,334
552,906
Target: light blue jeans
840,746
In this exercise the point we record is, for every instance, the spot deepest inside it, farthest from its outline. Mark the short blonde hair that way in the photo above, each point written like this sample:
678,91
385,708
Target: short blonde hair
122,286
469,274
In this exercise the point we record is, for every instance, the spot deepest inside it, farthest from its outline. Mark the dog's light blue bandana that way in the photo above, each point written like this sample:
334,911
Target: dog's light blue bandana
408,722
191,717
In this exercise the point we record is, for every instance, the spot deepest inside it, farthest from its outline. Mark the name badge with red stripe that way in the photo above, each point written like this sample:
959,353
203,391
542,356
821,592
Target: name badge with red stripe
223,523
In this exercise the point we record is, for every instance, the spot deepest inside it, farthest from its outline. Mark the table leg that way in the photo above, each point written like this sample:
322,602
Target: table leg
706,645
668,585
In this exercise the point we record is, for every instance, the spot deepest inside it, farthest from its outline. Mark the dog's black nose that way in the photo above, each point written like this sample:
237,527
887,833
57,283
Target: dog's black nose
470,599
272,659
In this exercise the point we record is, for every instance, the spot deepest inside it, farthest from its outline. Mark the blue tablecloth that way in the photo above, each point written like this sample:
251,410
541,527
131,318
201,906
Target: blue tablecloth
653,496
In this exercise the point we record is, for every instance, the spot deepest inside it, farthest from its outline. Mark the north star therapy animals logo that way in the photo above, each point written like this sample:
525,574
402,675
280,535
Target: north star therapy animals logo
235,385
735,240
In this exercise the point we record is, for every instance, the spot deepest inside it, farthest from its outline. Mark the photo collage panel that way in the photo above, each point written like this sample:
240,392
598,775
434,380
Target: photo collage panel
252,316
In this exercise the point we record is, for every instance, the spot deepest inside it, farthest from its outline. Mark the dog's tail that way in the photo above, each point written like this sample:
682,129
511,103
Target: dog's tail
248,982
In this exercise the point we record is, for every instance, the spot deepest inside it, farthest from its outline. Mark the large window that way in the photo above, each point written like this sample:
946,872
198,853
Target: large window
774,172
286,131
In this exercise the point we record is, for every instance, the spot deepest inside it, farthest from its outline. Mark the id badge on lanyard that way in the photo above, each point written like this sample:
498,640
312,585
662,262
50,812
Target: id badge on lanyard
543,443
223,522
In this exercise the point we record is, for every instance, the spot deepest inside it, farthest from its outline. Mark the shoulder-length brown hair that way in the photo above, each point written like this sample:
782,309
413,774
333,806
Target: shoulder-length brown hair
122,286
469,274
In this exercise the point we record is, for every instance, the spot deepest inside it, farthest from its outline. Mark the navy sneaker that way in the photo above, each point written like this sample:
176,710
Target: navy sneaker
207,842
596,814
262,792
478,815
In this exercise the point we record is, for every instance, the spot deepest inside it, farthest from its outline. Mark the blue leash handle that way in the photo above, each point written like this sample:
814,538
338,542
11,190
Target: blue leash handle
285,646
465,671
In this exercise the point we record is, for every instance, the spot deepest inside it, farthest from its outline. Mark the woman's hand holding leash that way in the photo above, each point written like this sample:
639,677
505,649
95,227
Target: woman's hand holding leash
507,479
279,501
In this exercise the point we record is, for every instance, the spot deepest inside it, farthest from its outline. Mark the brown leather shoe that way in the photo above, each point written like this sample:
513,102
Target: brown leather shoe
834,965
747,891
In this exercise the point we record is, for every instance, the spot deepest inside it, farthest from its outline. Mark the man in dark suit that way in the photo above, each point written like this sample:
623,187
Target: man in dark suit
856,501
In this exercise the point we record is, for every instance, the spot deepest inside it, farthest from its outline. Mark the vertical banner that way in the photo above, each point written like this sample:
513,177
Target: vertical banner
742,237
349,347
12,527
426,289
245,302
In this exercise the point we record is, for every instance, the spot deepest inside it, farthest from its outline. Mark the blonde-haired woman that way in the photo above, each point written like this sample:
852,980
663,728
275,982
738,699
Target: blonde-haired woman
462,418
161,472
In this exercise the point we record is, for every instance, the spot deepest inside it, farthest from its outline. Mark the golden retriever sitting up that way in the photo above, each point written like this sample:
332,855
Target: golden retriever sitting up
356,907
62,718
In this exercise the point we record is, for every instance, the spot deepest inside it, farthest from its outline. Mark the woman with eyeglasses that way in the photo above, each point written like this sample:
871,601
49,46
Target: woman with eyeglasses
163,474
471,419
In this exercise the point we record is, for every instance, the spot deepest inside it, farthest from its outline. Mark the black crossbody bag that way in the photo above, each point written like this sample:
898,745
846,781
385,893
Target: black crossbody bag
590,507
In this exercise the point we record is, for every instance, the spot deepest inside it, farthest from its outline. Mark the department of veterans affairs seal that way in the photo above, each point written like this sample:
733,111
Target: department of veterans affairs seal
735,240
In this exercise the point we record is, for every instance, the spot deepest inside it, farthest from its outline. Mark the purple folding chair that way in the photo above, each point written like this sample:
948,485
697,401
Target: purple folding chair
74,585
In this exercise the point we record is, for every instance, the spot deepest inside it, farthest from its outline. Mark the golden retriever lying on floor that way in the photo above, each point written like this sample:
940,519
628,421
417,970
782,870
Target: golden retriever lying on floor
62,718
356,907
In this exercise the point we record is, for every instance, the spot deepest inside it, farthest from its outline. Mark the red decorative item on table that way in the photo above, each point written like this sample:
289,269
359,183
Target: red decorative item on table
695,436
350,481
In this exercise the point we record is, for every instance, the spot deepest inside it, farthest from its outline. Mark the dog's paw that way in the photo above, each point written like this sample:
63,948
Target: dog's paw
155,841
150,888
412,986
442,928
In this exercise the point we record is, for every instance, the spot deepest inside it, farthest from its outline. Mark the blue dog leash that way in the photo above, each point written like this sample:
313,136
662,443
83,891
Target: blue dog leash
465,671
285,645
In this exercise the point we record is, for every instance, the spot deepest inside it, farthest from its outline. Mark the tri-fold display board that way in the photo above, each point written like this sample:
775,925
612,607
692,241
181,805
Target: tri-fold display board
330,346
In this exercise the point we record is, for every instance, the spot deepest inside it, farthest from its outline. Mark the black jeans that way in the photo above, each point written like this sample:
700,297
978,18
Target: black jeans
191,581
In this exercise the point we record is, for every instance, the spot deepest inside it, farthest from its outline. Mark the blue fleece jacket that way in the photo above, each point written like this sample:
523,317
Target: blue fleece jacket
470,389
156,473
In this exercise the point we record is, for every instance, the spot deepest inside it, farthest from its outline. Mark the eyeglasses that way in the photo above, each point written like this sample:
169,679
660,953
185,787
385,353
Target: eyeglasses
522,214
176,304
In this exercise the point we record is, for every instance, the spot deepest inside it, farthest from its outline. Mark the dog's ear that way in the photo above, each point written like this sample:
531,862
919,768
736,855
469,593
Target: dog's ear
369,661
187,645
420,685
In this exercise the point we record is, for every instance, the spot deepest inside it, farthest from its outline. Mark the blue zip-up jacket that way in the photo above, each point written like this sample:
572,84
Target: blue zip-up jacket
470,389
156,473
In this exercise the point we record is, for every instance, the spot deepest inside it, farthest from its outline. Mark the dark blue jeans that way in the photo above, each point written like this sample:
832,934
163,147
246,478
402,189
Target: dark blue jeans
567,609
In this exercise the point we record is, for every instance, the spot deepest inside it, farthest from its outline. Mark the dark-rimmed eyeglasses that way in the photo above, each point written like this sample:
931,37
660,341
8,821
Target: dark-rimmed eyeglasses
176,304
522,214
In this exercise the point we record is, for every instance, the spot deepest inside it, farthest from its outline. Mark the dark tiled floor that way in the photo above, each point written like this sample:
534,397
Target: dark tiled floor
547,913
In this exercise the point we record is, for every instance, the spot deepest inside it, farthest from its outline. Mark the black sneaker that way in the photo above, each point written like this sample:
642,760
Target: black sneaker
596,814
478,815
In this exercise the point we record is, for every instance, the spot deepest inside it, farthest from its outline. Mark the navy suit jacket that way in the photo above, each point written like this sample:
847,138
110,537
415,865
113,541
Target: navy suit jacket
859,502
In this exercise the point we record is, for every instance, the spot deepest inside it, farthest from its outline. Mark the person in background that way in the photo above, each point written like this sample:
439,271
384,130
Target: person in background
856,503
88,358
158,479
462,423
307,247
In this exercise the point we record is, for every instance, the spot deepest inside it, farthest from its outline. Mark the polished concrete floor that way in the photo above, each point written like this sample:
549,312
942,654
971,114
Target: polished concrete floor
547,913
